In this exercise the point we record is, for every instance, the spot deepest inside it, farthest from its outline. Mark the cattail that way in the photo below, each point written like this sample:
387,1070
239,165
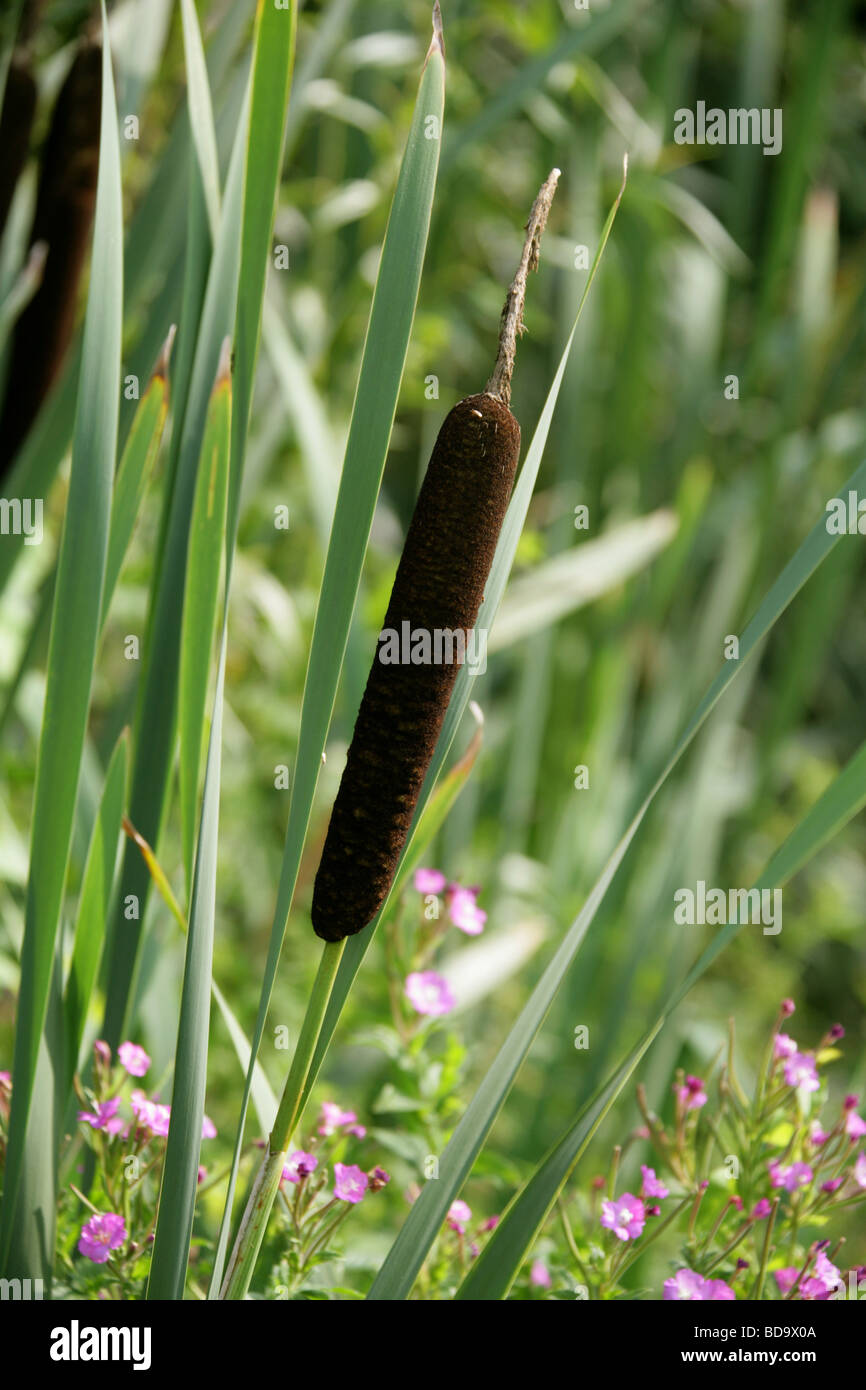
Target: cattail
65,204
438,590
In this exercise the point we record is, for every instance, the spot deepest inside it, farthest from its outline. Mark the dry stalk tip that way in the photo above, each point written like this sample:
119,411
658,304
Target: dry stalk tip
511,324
438,40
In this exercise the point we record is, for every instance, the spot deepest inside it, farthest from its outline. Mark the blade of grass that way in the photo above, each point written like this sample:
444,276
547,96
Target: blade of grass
156,716
134,470
273,61
201,597
201,112
93,904
269,88
385,348
72,652
183,1147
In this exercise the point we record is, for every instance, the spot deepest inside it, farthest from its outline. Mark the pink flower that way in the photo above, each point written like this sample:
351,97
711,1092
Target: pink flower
717,1291
817,1135
692,1094
208,1128
429,881
850,1102
855,1127
762,1209
106,1116
491,1223
464,911
860,1170
800,1071
350,1183
777,1173
133,1058
626,1217
683,1286
378,1179
100,1235
429,993
333,1118
783,1046
150,1114
823,1281
786,1278
788,1007
539,1275
686,1286
651,1186
299,1166
459,1213
102,1053
832,1184
797,1175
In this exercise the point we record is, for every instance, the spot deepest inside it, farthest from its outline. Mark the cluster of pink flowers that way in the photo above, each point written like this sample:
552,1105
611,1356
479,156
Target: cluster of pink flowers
458,1218
106,1231
428,992
333,1119
461,902
351,1183
151,1116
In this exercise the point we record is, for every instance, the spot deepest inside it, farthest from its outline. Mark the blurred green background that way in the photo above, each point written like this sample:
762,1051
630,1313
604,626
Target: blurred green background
723,262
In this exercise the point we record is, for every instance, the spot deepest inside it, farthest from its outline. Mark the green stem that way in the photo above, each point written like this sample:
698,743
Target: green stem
267,1183
758,1290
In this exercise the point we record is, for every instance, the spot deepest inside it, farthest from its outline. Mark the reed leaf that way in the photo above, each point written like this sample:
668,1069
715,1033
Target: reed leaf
72,652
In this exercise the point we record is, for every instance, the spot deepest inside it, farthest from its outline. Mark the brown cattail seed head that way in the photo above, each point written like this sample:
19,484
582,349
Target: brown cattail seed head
439,587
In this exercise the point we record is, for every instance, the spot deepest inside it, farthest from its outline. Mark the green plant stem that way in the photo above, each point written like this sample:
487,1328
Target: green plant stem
266,1186
765,1253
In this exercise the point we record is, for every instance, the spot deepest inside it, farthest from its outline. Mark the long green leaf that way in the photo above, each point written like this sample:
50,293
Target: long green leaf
206,545
201,112
72,651
183,1148
134,470
156,717
93,903
384,356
